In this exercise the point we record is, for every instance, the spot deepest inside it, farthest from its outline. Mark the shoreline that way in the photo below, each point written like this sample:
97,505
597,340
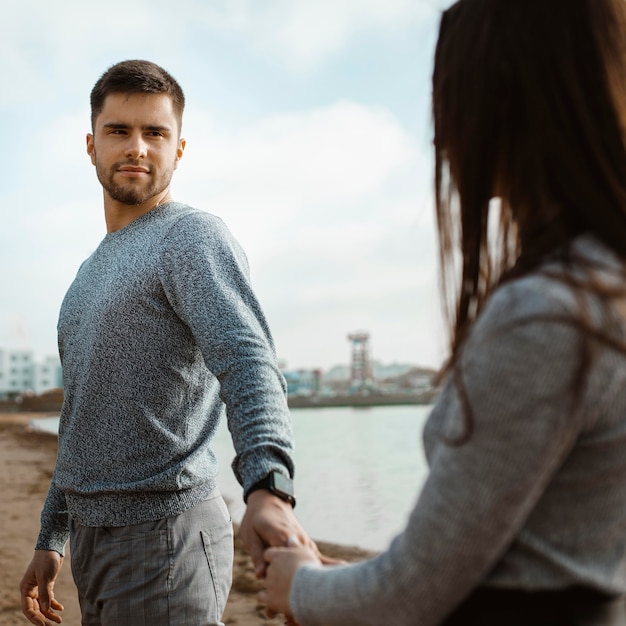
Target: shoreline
26,463
52,401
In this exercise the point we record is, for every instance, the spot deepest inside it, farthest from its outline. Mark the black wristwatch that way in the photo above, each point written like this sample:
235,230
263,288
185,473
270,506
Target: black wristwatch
278,484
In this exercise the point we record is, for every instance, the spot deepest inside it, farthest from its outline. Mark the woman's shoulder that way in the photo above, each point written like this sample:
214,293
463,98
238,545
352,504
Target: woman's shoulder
561,285
532,296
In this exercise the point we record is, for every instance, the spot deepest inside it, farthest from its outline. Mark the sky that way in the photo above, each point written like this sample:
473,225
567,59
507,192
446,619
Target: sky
308,132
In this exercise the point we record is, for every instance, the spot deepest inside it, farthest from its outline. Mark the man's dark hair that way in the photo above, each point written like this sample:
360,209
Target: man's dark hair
137,77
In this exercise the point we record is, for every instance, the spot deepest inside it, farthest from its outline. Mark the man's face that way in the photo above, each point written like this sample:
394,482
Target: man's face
135,146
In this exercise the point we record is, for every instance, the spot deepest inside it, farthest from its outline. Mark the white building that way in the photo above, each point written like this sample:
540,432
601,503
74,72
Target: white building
47,375
16,371
20,373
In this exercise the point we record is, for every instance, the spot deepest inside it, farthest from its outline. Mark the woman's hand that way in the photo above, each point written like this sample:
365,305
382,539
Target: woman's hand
282,566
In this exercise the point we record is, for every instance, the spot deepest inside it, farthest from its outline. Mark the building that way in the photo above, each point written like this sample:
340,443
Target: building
302,382
16,372
19,373
47,375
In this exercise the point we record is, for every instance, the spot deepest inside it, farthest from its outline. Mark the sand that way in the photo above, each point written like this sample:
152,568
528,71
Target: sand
26,463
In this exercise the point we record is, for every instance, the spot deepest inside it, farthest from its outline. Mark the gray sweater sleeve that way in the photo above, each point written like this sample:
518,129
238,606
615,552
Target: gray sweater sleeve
54,522
477,496
206,278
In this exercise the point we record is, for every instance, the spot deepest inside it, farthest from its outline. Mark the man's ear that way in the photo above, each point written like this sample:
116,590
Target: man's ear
180,150
91,149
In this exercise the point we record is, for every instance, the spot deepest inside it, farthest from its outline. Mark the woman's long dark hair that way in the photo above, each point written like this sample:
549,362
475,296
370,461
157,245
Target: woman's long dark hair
529,105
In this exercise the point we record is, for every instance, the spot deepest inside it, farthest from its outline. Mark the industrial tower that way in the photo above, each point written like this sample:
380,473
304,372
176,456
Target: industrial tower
361,370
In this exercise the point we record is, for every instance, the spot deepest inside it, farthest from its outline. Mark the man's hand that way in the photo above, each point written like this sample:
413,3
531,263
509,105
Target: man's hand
36,588
270,521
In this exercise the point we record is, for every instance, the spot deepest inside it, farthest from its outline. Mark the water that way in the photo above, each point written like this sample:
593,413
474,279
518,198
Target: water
358,471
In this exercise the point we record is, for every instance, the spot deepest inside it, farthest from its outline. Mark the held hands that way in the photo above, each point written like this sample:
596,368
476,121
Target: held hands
36,588
270,522
282,564
269,525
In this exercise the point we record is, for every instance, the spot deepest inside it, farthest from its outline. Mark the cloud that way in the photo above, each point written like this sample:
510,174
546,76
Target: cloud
331,201
306,167
303,34
45,44
334,208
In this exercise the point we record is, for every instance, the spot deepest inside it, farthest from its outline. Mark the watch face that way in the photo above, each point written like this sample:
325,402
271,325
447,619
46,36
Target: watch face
283,484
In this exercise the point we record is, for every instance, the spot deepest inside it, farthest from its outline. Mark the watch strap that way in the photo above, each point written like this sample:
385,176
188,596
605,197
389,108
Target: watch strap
275,483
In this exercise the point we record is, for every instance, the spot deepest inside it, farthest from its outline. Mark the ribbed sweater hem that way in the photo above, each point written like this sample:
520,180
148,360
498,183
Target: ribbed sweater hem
127,508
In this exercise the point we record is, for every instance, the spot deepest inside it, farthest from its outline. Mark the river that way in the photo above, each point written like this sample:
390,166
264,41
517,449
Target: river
358,471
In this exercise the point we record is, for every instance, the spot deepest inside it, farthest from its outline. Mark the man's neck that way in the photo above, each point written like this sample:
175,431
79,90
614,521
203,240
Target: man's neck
118,215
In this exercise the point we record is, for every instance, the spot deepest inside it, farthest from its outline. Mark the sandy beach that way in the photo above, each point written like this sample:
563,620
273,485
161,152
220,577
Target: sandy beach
26,463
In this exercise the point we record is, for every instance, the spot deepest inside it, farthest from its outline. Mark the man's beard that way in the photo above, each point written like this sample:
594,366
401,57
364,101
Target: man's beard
132,193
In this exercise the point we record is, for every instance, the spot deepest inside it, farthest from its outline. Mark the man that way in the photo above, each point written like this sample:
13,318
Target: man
159,330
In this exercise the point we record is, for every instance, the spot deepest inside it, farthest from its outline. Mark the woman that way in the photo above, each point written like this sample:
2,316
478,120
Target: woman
522,519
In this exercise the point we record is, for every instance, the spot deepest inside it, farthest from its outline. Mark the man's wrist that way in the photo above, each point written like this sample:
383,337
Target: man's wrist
276,483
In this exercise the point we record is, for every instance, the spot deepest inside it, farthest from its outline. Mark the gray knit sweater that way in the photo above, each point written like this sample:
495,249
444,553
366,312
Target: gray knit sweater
158,332
536,499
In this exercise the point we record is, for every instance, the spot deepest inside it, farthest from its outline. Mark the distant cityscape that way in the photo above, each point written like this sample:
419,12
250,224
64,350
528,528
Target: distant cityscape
364,383
397,383
28,382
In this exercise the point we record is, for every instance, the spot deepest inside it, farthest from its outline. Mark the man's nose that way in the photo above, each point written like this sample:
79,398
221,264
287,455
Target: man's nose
136,147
